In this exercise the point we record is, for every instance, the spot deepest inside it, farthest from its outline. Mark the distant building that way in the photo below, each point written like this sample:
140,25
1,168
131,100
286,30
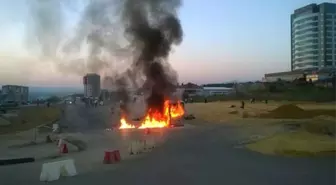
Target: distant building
15,93
210,91
290,76
313,44
313,37
193,90
91,85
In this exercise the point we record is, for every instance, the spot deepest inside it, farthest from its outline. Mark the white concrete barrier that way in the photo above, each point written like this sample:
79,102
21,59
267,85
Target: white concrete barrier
150,143
136,147
53,170
55,127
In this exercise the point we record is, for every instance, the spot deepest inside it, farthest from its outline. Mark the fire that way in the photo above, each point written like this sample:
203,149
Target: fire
124,124
156,118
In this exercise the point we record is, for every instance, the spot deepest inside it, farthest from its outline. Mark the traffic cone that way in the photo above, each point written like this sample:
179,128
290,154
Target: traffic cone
64,149
108,157
116,156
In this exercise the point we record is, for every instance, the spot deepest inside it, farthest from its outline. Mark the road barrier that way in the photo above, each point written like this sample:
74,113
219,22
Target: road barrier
53,170
140,146
16,161
112,156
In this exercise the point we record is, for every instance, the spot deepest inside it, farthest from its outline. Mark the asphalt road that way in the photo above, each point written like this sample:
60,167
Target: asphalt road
206,156
203,155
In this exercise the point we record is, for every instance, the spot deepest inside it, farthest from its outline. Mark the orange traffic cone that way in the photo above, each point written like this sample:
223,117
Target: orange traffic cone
108,157
111,157
116,156
64,149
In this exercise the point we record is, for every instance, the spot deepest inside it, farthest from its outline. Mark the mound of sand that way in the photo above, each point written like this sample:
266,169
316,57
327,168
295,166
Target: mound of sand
288,111
324,125
296,144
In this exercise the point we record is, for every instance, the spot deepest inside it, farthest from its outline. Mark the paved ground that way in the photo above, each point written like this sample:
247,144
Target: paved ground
195,156
205,157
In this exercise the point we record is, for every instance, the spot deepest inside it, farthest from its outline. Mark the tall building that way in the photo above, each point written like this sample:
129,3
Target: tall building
91,85
313,37
15,93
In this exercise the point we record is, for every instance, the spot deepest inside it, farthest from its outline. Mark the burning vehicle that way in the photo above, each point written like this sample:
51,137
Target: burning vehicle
141,117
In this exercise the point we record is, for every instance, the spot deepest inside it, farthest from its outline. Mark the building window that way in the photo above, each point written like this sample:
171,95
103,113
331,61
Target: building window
328,22
328,63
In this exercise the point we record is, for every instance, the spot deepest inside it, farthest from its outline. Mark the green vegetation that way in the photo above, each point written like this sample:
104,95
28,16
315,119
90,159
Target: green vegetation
30,117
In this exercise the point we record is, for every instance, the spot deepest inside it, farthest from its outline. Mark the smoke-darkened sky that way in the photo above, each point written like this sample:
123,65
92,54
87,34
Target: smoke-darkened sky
220,38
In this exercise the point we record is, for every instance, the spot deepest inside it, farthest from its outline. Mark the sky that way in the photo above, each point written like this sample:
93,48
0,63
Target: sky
224,41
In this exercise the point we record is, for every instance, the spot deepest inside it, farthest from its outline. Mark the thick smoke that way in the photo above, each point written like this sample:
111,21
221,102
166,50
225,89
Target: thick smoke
152,27
136,33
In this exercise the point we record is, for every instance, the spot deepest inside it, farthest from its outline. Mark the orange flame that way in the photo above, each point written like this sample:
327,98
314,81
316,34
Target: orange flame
124,124
156,118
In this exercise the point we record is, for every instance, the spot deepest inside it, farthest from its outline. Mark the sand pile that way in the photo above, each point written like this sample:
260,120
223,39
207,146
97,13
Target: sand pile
325,125
288,111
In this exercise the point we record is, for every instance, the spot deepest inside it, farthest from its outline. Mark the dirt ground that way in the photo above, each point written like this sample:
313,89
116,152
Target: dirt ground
305,135
29,117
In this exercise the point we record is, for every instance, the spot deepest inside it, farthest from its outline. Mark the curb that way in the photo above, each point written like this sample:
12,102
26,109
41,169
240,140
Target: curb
4,162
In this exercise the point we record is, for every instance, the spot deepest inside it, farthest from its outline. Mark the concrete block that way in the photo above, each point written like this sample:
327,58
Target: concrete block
53,170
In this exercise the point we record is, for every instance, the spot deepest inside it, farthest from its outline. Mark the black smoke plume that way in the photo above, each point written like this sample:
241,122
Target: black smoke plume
136,33
153,28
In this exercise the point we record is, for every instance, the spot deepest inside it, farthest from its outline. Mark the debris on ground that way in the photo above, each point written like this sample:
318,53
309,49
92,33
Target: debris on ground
232,106
245,114
189,117
233,112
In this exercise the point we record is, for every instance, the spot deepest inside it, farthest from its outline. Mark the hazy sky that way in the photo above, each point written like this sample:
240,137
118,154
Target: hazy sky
224,40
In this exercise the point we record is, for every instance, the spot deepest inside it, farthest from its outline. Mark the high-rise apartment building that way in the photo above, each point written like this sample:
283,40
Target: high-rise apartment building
91,85
15,93
313,37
